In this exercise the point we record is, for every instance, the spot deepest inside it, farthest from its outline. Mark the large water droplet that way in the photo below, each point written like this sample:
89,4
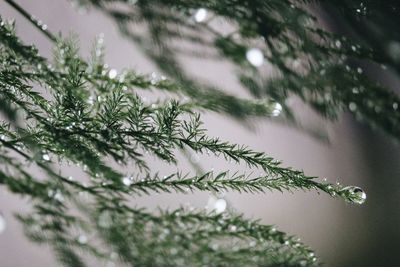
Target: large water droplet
355,194
2,223
255,57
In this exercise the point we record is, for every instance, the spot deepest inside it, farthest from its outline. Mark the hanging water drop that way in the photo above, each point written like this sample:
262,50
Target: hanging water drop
355,194
200,15
255,57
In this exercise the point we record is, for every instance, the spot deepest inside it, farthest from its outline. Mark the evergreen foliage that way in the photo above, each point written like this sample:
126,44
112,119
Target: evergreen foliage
71,110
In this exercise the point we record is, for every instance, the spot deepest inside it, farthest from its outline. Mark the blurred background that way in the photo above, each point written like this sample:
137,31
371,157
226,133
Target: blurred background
342,234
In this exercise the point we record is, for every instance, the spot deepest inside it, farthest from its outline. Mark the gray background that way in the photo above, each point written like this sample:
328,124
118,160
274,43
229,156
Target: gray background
342,234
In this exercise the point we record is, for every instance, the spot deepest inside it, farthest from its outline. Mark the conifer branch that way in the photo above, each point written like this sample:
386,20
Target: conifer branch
38,24
94,117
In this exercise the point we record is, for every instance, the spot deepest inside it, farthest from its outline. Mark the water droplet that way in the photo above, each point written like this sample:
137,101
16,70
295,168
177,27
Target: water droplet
394,50
112,73
303,263
2,223
355,194
395,106
58,196
82,239
255,57
194,158
220,205
277,110
200,15
127,181
104,219
338,44
114,255
46,157
352,106
296,63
